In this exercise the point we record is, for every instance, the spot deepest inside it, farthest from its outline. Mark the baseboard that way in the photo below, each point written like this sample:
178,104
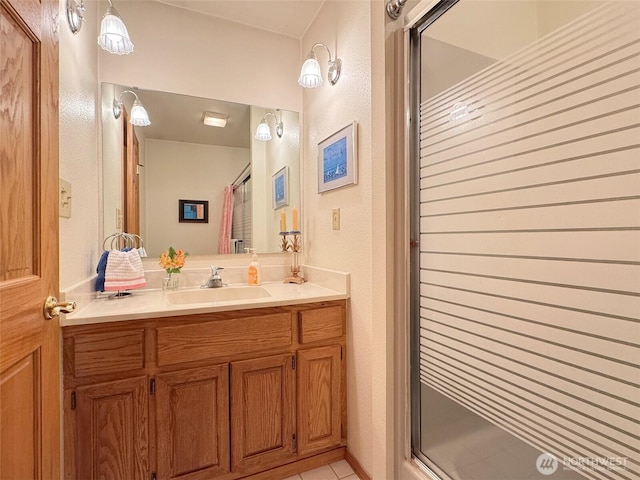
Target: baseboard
357,468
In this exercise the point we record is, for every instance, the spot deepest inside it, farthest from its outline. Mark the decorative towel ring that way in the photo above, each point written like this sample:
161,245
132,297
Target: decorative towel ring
120,240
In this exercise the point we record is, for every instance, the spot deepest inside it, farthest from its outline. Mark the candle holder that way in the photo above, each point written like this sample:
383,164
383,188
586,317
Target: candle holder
284,242
294,246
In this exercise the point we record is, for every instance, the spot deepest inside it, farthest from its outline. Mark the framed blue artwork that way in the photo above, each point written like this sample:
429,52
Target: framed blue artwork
193,211
338,159
280,188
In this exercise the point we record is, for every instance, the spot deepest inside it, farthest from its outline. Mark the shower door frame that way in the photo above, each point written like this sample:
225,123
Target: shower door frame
414,32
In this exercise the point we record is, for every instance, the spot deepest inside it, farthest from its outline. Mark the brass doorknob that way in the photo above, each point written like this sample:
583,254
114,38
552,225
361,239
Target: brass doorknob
52,308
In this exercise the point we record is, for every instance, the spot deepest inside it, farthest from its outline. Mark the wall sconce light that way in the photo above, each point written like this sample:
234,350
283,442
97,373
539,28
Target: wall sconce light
310,74
74,15
114,37
263,133
214,119
138,116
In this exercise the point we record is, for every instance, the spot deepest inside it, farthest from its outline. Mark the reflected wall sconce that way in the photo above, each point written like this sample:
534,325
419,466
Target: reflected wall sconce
114,37
213,119
263,133
310,74
74,15
138,116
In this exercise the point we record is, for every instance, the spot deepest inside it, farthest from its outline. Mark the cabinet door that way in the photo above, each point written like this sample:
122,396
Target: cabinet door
193,423
112,430
262,412
319,398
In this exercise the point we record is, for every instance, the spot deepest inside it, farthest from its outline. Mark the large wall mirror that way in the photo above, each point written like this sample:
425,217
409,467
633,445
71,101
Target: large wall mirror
148,171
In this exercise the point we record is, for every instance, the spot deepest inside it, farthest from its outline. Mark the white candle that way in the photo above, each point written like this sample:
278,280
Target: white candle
283,222
294,217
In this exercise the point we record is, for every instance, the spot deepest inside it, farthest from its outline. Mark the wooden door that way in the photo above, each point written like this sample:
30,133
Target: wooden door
131,187
112,430
29,344
319,399
262,413
193,423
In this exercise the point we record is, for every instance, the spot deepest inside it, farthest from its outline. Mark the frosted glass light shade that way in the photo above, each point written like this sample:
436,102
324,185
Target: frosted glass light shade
263,133
114,37
310,74
139,116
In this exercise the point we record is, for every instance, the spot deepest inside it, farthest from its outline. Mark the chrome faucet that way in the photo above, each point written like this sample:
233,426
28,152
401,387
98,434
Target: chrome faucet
215,280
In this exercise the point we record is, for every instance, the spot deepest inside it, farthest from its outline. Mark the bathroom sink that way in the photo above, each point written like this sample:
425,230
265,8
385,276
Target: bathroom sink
224,294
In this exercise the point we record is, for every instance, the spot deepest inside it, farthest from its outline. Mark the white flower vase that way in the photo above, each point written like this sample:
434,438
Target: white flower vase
171,282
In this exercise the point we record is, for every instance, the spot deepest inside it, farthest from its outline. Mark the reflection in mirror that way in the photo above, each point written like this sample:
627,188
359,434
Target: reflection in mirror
148,170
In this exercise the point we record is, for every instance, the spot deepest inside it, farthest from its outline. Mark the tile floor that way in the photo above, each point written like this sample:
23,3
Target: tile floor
335,471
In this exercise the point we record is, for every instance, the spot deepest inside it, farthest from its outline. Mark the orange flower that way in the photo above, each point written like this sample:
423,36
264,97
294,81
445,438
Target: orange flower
173,260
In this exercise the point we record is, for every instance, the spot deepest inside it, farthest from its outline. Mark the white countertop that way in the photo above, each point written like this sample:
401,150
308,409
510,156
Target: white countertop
154,303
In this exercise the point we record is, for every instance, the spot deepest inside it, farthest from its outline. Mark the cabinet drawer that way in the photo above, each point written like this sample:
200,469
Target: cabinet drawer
221,338
107,352
321,324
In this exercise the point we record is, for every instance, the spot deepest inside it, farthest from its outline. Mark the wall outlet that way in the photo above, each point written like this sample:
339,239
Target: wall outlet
335,219
64,195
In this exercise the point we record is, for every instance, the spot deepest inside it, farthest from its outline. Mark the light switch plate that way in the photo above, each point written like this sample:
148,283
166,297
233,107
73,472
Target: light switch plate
64,195
335,219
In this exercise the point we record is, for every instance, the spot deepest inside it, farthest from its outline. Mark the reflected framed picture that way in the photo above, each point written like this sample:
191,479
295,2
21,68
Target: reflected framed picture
280,182
338,159
193,211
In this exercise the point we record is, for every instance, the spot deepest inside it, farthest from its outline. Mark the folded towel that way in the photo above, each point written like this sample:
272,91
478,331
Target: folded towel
102,266
124,271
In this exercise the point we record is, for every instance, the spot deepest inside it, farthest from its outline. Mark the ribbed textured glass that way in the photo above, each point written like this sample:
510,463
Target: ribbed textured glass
310,74
263,132
139,116
114,37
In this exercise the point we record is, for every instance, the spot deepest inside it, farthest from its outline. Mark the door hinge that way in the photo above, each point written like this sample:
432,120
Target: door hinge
340,352
294,442
293,362
152,386
73,400
153,475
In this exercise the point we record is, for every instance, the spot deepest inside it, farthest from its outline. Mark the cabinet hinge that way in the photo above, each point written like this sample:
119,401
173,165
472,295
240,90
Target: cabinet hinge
152,388
294,442
153,475
73,400
293,362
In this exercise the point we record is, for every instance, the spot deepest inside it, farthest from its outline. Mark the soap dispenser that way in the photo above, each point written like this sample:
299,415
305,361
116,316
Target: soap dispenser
253,273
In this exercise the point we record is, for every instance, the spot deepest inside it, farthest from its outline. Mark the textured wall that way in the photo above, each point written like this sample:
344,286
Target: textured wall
79,244
345,28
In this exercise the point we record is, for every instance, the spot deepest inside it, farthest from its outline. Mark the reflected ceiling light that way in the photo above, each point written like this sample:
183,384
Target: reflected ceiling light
263,133
114,37
74,15
214,119
310,74
138,116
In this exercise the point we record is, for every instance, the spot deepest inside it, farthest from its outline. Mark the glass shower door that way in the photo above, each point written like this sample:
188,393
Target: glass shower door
526,118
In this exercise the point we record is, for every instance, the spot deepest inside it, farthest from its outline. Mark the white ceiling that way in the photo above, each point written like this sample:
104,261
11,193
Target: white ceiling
286,17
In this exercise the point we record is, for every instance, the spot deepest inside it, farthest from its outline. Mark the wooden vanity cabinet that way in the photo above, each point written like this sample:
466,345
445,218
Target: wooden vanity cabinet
222,396
112,429
192,423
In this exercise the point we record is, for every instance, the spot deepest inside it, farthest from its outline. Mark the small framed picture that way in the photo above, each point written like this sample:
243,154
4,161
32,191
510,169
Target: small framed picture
338,159
193,211
281,188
